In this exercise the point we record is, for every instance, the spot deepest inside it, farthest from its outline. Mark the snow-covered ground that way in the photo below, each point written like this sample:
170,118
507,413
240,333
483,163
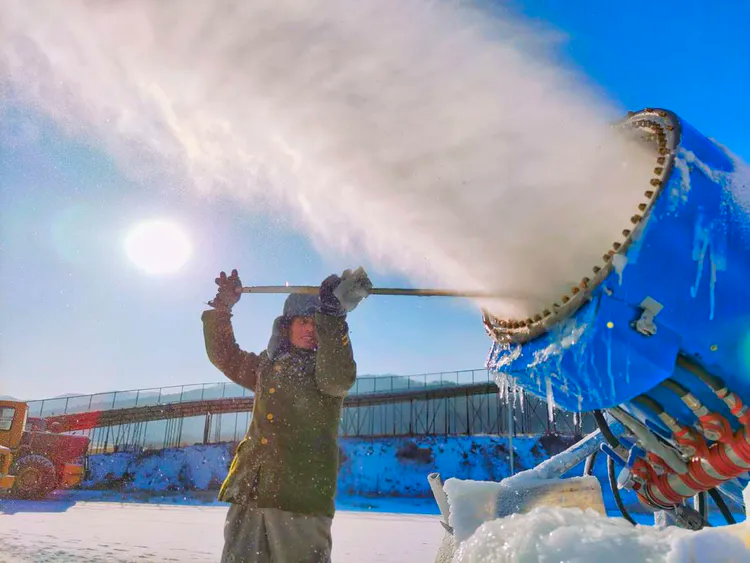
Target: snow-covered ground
69,530
162,506
92,532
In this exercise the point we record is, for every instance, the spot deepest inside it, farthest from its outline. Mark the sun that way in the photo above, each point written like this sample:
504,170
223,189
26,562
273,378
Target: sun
158,247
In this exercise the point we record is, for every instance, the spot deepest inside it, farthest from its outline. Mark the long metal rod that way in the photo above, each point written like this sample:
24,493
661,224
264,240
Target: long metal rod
511,429
313,290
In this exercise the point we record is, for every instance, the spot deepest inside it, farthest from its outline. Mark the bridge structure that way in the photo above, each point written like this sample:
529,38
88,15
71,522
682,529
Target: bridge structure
465,402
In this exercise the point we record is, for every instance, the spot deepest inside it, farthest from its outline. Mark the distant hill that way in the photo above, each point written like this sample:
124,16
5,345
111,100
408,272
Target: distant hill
7,398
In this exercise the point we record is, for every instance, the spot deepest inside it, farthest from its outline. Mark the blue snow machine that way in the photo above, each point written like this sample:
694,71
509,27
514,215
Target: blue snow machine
655,339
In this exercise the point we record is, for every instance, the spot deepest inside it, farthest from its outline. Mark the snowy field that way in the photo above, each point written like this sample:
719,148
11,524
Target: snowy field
93,532
81,527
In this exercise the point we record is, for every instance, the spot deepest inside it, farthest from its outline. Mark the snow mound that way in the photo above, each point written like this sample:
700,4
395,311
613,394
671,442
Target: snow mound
572,535
370,467
177,469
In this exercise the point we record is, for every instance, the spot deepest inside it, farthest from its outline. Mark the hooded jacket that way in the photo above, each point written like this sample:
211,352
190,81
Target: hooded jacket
289,456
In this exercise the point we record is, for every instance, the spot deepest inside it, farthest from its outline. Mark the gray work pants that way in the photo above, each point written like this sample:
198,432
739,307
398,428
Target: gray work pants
269,535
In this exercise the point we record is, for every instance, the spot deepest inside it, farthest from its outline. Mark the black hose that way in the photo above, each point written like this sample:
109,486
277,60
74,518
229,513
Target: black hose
614,444
601,422
649,403
588,469
703,506
672,385
722,506
709,379
616,491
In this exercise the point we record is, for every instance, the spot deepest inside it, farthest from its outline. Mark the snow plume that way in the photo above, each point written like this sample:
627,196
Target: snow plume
424,137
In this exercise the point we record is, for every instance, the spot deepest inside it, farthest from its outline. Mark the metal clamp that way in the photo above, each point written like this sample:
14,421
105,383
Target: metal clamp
645,323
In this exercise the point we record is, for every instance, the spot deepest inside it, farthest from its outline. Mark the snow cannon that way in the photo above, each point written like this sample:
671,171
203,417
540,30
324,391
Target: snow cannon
657,336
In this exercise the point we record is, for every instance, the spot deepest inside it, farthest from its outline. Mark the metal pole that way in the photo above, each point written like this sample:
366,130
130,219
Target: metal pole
511,430
314,290
207,428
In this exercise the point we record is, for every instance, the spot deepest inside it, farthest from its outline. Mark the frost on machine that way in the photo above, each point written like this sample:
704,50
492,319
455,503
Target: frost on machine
655,339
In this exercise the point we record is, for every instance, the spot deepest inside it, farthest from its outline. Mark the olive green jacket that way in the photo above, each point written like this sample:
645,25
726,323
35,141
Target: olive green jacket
289,457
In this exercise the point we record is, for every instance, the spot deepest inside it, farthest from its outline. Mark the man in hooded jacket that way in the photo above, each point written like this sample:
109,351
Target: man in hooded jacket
282,481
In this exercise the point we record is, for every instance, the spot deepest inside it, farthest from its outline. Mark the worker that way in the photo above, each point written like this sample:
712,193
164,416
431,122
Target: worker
282,481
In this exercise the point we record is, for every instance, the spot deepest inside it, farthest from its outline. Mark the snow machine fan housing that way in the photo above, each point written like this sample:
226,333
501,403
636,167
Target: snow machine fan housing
661,130
658,335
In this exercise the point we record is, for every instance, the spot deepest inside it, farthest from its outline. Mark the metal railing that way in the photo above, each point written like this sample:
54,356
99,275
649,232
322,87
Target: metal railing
224,390
449,406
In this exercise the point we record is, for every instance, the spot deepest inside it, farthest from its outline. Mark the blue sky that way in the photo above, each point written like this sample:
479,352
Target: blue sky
77,317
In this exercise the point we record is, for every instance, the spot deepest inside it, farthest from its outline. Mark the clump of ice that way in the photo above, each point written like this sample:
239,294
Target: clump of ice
501,357
556,535
471,504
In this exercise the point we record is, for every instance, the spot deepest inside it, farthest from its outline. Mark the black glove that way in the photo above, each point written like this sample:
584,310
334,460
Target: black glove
340,295
329,303
229,292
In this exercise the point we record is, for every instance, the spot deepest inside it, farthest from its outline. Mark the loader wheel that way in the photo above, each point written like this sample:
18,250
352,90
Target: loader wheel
35,477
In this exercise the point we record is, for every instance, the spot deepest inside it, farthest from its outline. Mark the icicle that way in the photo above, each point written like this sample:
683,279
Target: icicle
701,239
713,288
550,400
609,363
709,241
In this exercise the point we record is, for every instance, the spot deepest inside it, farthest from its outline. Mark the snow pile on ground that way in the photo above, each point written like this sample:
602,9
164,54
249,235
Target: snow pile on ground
375,467
474,502
192,468
550,534
562,520
400,466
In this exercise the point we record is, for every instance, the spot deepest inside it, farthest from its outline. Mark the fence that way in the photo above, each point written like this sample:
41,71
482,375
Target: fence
450,404
206,391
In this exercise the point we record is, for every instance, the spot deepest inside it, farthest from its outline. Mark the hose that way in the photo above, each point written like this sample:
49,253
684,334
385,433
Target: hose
703,506
601,422
616,491
649,403
700,505
614,444
588,469
675,387
722,506
709,379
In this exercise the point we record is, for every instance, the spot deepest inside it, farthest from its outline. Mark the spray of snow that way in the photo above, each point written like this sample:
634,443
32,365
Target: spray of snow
435,138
